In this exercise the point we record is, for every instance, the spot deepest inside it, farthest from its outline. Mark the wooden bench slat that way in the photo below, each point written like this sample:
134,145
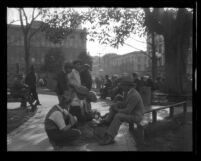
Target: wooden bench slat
164,107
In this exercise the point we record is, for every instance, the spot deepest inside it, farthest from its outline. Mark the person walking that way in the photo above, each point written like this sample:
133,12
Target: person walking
30,80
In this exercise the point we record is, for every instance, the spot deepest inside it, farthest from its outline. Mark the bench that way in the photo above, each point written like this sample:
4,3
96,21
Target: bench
140,126
13,96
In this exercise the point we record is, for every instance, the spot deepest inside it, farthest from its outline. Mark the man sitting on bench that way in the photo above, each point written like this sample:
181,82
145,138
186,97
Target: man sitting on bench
130,111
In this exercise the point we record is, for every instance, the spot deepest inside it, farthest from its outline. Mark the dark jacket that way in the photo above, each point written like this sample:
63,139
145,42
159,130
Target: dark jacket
86,79
61,83
108,83
30,79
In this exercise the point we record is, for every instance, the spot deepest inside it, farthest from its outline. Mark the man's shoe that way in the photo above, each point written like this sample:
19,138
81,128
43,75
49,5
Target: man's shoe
106,140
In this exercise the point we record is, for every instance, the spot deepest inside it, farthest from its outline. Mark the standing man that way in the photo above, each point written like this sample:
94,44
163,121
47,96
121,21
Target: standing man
62,80
130,111
137,82
74,76
85,75
30,80
108,84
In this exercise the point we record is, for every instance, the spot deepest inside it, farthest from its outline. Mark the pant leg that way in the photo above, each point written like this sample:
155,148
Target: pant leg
116,122
63,138
35,95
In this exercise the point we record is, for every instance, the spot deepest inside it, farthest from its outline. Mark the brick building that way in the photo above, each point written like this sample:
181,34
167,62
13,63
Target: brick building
71,47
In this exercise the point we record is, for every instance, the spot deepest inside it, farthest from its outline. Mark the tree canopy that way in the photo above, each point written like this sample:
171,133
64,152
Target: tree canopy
113,26
53,60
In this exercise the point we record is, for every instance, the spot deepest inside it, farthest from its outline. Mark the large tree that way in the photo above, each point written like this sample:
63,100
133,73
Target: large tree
26,23
176,27
114,25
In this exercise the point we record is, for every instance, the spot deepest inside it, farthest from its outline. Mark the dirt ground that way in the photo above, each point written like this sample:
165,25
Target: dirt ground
179,139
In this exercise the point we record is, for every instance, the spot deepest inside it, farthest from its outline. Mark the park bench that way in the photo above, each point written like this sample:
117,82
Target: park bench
13,96
140,127
164,97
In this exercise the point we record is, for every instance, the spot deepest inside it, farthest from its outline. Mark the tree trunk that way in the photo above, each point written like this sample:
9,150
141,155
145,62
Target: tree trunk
27,54
154,62
175,64
170,64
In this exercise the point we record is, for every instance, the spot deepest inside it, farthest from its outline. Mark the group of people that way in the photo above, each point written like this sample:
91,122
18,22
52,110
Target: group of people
61,122
74,83
26,86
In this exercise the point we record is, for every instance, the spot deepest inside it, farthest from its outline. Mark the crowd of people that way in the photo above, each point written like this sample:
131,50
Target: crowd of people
74,84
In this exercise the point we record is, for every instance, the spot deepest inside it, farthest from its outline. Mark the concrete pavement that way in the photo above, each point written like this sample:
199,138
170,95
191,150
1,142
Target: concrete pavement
31,135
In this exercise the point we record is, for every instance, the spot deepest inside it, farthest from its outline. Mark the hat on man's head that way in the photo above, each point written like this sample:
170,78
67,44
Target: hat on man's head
87,65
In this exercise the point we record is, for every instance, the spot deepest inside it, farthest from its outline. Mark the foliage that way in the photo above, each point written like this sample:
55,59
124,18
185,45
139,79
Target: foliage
53,60
26,23
176,27
120,22
113,26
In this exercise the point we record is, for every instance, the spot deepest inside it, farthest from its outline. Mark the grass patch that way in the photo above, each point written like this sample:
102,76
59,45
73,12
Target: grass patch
16,117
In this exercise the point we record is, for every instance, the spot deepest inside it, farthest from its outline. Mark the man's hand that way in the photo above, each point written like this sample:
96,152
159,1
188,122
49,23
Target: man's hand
66,113
73,119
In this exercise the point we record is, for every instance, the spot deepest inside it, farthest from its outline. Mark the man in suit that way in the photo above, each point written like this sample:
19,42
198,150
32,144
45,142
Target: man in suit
130,111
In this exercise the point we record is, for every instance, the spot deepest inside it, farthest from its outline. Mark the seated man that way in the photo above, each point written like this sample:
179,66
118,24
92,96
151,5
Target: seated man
130,111
20,89
59,123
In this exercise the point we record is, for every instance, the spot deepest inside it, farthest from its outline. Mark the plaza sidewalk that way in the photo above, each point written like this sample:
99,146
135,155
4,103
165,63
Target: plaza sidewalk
31,135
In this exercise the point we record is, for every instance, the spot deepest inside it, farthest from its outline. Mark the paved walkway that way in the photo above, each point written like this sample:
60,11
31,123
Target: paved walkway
31,135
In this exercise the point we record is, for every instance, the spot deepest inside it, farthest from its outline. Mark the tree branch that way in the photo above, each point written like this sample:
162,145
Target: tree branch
139,50
21,21
142,41
33,18
25,16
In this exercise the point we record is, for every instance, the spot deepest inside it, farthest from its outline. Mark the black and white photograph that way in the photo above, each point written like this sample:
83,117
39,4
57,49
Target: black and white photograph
100,78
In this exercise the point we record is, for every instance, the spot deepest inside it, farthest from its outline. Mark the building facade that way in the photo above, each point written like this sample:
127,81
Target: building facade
129,63
71,46
160,54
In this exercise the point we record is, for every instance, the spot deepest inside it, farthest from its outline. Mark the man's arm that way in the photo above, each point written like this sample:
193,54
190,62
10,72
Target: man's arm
57,117
130,105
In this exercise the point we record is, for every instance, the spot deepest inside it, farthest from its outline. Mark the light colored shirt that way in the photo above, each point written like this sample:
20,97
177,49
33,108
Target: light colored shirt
74,78
58,117
133,104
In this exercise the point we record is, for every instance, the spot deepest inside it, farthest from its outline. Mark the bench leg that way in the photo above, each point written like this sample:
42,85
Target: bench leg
137,133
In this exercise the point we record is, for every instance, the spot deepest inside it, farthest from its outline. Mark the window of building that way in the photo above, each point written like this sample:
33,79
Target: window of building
139,58
138,67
